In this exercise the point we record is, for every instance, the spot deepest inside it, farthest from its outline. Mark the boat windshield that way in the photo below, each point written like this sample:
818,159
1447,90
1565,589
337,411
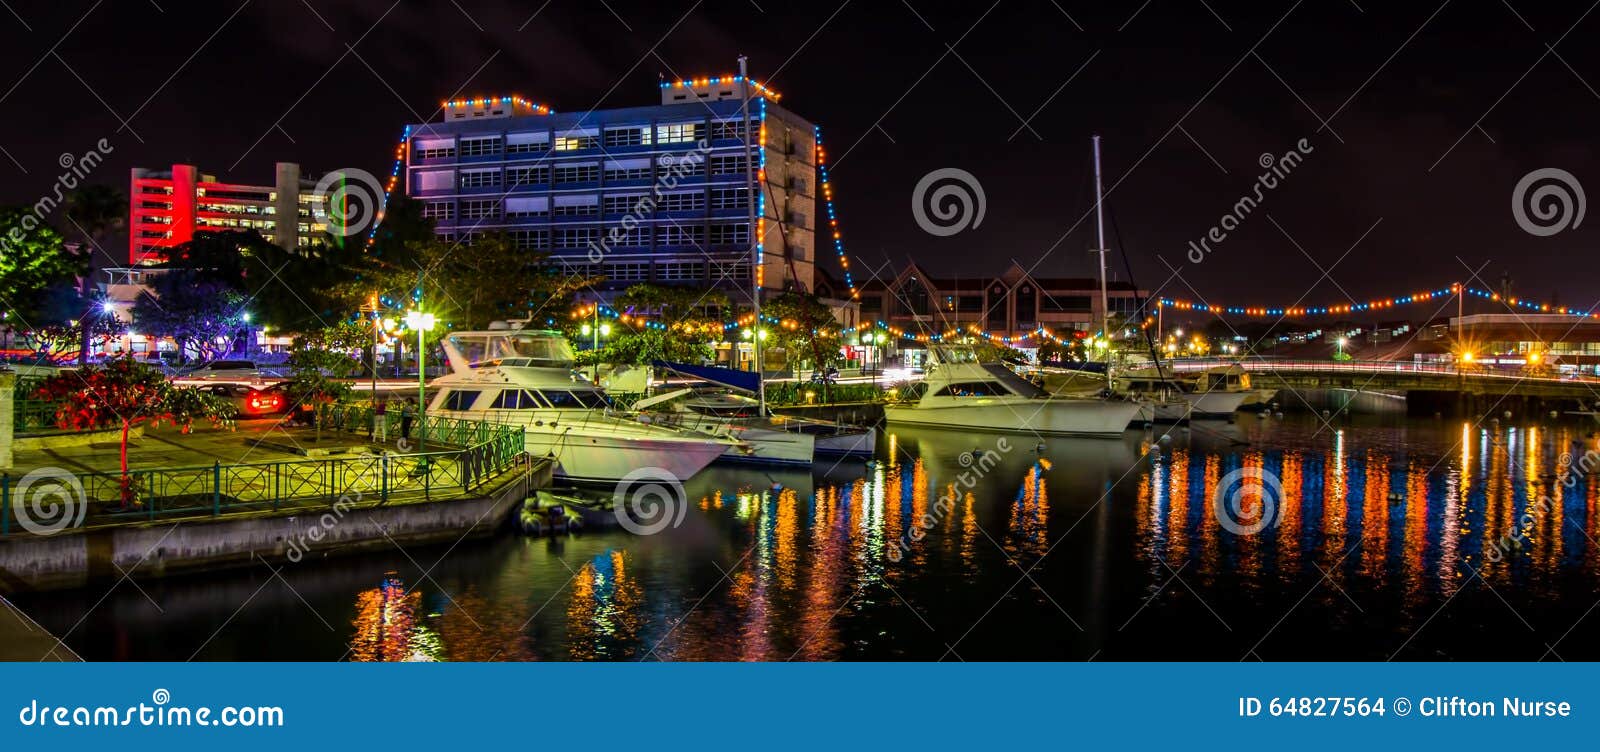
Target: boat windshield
536,349
954,354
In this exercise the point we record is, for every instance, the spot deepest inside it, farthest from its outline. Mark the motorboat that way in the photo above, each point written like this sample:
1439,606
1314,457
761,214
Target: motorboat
1214,393
963,393
526,378
723,407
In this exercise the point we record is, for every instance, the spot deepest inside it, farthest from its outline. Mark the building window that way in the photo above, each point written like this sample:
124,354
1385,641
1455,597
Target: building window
527,176
730,234
631,169
575,237
736,271
576,142
730,198
627,272
621,237
680,271
677,202
677,133
439,210
680,235
527,143
585,173
480,178
480,209
630,136
575,206
432,149
536,240
480,147
522,207
725,129
728,165
684,165
627,203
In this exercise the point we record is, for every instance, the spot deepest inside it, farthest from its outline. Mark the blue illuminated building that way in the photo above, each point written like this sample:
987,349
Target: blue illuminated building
660,193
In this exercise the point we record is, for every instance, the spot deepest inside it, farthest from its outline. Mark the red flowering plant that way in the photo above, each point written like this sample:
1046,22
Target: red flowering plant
126,393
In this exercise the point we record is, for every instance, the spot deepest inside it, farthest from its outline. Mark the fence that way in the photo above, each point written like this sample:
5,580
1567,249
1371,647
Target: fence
479,454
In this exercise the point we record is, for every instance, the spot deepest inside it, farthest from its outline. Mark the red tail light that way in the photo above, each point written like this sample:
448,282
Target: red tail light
260,402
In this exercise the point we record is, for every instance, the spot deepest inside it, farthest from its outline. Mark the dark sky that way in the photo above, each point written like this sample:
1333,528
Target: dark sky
1438,111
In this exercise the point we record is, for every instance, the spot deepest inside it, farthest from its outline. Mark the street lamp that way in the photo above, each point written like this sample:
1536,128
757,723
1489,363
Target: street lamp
1342,342
422,323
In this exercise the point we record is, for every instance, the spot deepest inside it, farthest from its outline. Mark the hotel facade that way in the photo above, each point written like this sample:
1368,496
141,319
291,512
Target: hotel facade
670,193
166,208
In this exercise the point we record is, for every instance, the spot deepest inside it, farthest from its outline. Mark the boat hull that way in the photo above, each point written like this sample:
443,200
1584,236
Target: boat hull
593,458
859,443
1046,417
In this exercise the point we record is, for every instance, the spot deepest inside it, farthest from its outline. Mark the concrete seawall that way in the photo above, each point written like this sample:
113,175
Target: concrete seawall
157,549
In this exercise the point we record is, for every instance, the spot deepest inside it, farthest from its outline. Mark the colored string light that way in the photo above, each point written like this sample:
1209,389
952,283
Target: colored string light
1377,304
760,88
538,109
833,216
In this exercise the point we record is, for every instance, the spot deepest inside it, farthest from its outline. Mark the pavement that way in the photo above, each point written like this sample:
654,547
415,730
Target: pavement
247,441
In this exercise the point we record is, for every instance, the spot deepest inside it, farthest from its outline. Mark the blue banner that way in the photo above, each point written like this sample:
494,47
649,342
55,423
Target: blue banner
797,706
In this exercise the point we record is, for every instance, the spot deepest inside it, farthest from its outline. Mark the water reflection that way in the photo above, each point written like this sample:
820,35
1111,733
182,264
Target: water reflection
954,544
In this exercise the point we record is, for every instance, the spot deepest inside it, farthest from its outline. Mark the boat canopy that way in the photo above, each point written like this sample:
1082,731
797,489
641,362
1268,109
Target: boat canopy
747,381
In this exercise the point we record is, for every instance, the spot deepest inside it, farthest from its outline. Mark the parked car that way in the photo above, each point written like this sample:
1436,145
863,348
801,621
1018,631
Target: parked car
250,401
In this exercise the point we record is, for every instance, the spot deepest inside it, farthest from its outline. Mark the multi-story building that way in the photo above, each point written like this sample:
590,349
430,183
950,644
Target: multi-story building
688,192
168,206
1011,304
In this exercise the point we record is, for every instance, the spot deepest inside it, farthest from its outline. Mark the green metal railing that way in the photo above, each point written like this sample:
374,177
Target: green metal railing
480,454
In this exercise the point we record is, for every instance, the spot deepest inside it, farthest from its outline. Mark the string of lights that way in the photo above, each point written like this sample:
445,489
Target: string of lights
833,216
1375,304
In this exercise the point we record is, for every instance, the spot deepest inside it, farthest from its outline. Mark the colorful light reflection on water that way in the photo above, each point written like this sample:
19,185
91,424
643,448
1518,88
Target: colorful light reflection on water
956,547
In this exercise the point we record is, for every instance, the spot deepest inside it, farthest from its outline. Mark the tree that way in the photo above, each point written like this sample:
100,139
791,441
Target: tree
317,381
805,330
467,286
34,266
664,323
92,212
127,393
200,314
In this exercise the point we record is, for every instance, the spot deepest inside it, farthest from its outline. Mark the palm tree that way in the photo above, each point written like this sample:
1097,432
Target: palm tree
92,213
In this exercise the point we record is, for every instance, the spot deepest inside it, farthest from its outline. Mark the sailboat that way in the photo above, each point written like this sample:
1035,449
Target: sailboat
526,378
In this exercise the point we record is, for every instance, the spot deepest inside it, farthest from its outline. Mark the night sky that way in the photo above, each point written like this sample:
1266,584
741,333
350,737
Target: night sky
1433,115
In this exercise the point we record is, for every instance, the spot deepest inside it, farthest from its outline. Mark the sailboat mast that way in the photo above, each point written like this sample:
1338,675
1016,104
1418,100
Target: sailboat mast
1100,229
755,239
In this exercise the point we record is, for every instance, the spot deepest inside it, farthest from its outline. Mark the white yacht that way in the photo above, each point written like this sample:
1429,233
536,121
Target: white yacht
773,438
1211,394
963,393
526,378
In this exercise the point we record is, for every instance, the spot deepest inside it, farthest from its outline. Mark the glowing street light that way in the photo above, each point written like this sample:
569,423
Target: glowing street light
422,323
1342,342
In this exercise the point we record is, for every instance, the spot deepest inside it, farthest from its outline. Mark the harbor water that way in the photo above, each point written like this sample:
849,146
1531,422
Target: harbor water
1355,538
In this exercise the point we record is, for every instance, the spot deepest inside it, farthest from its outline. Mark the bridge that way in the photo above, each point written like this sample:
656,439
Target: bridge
1400,377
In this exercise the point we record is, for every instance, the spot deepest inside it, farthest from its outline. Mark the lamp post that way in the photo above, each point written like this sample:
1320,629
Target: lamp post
422,323
596,331
1341,348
